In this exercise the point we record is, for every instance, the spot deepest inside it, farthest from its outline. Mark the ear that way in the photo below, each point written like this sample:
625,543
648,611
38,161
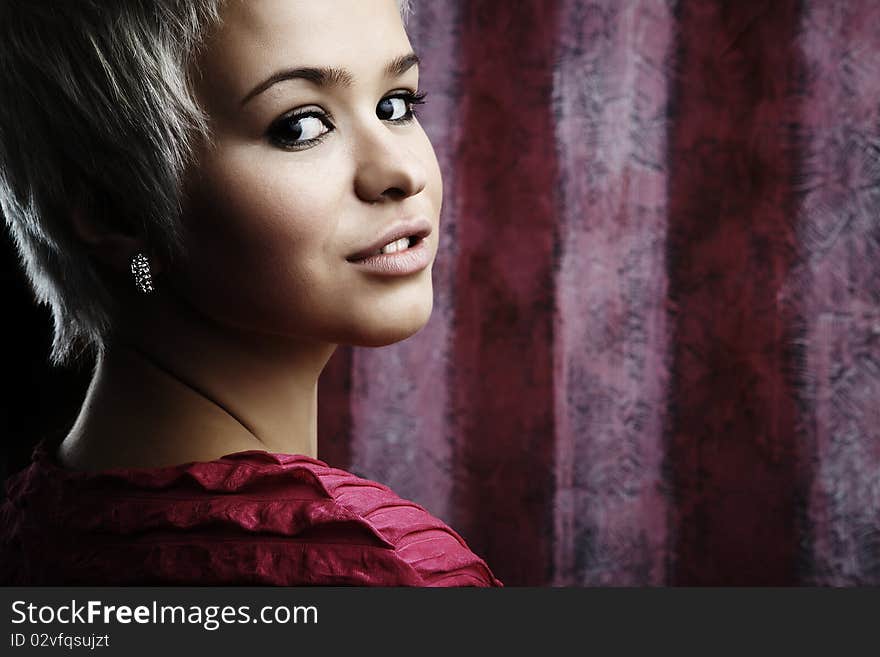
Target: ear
109,245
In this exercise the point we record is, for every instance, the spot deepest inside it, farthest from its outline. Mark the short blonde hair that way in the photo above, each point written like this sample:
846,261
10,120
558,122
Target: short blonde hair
97,110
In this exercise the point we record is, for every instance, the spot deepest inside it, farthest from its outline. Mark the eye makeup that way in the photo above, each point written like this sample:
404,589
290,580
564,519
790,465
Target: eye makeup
287,131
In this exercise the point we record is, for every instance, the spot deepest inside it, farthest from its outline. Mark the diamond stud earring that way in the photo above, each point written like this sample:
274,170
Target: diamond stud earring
140,269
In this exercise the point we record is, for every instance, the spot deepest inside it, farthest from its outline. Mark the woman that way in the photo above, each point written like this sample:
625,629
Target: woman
211,196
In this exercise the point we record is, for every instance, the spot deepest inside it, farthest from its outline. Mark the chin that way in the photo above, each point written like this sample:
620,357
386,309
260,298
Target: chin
385,328
385,339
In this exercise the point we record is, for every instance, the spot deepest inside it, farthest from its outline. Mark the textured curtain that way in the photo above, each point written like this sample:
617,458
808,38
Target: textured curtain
654,357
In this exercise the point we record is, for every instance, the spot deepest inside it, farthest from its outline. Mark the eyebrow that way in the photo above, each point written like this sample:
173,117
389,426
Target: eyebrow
330,76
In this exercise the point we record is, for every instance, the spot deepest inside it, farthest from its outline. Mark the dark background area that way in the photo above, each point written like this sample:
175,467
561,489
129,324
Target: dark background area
37,399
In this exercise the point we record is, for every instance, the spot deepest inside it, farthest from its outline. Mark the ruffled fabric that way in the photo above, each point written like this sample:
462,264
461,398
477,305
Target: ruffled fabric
248,518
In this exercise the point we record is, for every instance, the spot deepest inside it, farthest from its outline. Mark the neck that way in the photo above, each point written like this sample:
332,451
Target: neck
174,387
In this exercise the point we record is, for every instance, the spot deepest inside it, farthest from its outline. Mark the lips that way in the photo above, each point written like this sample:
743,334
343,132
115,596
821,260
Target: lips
418,229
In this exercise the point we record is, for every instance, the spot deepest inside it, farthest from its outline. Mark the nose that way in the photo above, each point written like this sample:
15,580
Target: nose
387,169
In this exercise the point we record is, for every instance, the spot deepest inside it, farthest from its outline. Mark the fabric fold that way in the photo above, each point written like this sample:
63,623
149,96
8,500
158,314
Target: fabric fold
248,517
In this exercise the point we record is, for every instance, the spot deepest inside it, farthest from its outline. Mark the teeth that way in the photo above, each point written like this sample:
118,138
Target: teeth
400,245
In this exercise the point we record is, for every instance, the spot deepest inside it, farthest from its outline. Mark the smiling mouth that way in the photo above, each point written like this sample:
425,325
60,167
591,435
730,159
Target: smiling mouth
393,248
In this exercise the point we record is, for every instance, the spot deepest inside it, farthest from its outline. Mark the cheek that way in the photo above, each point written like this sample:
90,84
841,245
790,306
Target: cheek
247,202
432,168
257,229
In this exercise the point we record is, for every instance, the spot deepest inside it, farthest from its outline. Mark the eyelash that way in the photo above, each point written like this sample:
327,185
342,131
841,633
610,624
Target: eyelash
277,128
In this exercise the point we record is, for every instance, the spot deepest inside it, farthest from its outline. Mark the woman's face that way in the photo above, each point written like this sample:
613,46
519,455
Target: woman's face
308,172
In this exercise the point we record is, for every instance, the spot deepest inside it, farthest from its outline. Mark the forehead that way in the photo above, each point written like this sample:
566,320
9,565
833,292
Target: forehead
257,37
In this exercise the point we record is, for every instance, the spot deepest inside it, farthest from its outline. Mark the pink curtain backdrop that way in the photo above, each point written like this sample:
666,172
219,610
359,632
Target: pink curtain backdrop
654,356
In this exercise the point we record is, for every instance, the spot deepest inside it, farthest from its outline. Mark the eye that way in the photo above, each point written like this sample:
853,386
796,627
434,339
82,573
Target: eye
300,129
398,108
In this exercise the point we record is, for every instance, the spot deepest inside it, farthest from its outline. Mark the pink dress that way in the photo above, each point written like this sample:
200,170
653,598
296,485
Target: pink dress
248,518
